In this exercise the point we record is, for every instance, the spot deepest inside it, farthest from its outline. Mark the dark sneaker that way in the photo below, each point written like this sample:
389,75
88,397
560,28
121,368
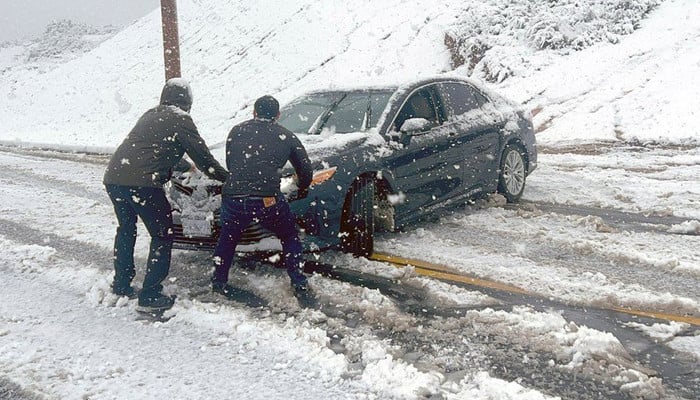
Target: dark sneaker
299,282
238,294
159,302
127,291
223,289
301,288
305,296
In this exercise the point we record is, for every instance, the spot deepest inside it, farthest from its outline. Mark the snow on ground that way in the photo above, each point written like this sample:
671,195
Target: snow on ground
63,335
662,182
211,344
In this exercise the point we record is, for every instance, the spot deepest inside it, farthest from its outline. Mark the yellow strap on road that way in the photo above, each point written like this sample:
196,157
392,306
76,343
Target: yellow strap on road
442,272
450,274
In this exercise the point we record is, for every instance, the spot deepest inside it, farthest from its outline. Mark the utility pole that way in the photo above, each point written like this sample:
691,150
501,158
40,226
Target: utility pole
171,38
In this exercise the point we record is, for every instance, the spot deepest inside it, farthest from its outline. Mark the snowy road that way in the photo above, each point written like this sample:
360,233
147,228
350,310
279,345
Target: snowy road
378,331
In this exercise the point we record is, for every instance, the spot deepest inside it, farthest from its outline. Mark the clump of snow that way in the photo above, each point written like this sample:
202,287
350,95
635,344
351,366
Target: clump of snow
395,378
662,332
588,351
447,295
195,211
688,344
482,386
24,257
687,227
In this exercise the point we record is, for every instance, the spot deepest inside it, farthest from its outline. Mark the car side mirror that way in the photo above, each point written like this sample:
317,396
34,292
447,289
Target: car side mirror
409,128
415,125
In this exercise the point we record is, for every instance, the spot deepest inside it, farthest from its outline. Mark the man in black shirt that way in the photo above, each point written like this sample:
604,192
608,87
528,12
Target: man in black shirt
256,150
134,181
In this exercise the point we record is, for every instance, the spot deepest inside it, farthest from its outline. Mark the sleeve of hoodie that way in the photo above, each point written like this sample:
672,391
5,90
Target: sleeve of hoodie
301,163
197,149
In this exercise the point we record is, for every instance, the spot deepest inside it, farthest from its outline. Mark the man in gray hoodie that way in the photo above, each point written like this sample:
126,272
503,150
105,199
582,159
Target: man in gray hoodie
134,181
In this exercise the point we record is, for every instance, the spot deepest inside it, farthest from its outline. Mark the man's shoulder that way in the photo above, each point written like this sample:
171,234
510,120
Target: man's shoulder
259,126
243,125
174,117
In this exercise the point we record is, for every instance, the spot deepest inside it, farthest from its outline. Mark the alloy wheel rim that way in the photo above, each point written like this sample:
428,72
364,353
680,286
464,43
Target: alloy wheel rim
514,172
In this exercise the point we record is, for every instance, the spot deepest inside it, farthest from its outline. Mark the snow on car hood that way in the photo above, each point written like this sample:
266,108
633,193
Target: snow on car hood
328,143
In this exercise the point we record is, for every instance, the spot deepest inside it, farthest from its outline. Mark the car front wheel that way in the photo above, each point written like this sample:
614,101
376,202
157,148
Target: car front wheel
357,226
511,181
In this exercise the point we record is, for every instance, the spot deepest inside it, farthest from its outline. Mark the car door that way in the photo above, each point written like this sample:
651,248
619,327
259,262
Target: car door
478,135
426,170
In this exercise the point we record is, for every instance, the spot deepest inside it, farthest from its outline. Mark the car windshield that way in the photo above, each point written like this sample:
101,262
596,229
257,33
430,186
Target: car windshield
340,112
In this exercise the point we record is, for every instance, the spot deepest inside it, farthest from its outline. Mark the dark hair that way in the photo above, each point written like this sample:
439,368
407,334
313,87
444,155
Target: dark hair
267,107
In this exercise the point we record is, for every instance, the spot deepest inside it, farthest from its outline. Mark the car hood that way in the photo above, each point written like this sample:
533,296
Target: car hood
325,145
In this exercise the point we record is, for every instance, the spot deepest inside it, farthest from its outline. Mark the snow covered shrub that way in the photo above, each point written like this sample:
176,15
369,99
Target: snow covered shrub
469,51
557,25
65,39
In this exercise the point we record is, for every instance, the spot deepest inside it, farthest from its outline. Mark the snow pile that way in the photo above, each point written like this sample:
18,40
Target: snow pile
686,227
588,351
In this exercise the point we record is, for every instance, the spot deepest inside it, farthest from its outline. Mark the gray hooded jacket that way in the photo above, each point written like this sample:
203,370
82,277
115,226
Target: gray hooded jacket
158,142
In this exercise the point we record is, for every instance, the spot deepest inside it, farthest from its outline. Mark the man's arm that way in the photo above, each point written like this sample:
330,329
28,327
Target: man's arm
302,165
198,151
182,166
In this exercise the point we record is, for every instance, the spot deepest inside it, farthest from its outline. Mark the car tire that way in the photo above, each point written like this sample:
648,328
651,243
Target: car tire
511,179
357,226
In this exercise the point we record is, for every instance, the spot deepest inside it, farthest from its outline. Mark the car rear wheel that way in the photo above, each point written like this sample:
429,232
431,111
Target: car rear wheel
511,181
357,226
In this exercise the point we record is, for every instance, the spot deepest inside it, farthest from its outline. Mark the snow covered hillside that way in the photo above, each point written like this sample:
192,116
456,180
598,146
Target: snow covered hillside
562,61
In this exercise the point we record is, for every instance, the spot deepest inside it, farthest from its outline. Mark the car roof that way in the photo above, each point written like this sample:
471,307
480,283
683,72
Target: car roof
352,90
394,87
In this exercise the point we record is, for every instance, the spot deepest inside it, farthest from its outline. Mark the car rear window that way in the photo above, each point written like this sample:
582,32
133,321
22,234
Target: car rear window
460,98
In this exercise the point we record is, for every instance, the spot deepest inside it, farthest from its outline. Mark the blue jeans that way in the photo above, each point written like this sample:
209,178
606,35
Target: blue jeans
151,205
237,213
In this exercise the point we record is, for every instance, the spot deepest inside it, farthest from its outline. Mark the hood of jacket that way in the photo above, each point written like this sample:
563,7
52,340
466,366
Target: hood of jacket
177,92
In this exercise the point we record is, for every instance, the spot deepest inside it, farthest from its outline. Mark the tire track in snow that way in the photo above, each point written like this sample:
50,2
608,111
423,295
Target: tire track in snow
85,253
567,256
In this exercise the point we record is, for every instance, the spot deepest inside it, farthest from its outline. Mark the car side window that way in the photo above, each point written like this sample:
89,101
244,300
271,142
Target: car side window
460,98
422,104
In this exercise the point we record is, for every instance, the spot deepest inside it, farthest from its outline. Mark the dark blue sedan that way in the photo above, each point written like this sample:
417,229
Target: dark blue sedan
384,158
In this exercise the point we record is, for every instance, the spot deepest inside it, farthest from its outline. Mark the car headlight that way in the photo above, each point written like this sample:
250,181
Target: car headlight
323,175
289,182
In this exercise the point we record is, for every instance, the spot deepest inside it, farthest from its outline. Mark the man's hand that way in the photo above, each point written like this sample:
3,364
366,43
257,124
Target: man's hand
184,166
302,193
